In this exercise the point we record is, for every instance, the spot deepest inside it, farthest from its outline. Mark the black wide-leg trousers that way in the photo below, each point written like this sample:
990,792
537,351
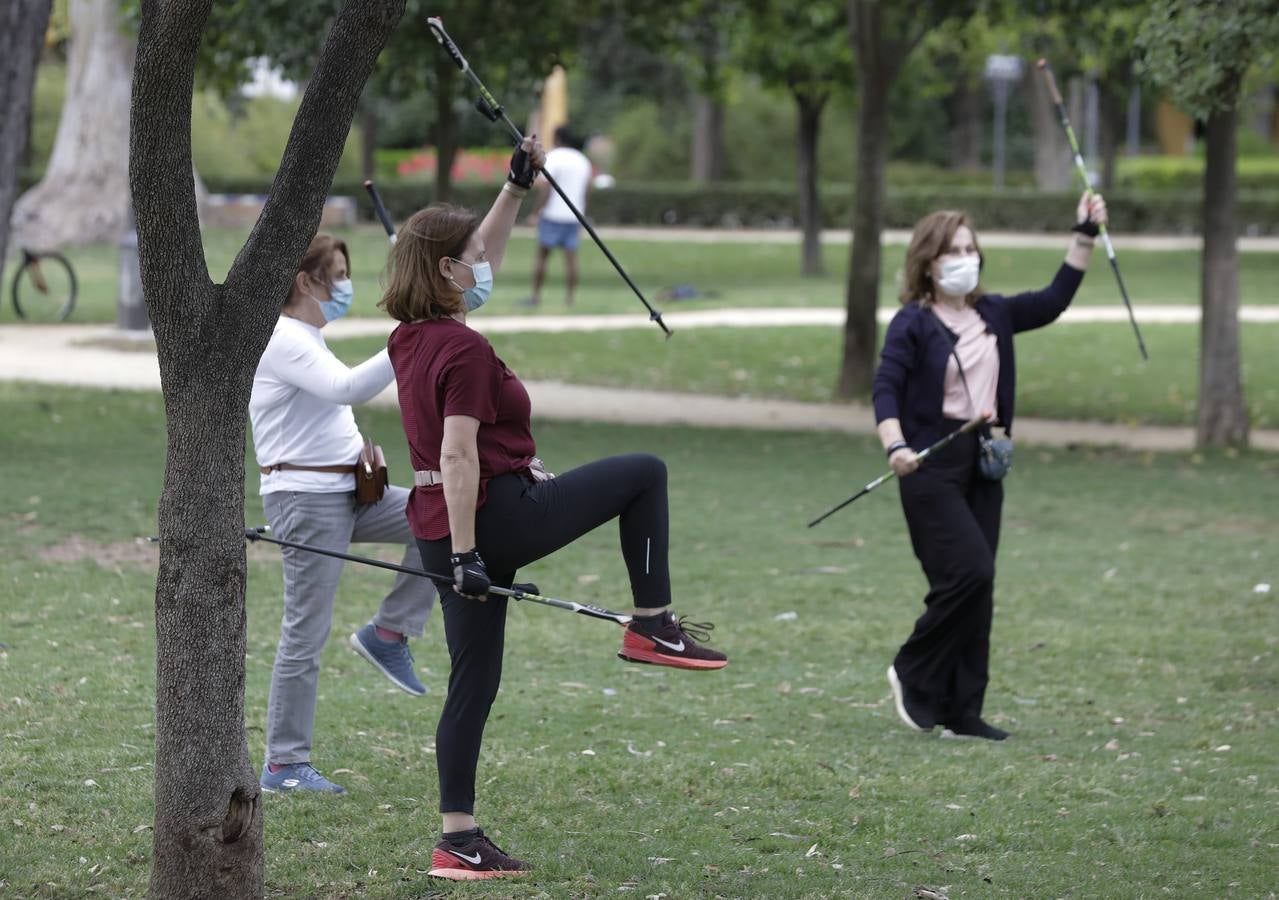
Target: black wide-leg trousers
521,522
953,515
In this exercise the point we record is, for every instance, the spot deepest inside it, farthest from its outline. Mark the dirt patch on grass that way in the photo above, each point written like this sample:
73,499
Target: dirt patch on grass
143,343
138,552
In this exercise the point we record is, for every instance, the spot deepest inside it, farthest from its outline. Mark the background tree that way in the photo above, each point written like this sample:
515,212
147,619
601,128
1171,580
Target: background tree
1199,51
208,818
83,195
22,28
882,35
802,48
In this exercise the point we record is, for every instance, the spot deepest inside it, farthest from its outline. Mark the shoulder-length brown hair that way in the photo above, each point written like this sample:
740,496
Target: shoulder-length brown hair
415,288
930,240
319,254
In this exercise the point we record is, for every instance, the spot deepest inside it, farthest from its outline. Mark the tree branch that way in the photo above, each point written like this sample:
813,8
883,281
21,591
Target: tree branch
161,179
296,202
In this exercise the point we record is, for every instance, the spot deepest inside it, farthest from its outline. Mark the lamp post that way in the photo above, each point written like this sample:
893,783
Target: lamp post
1002,71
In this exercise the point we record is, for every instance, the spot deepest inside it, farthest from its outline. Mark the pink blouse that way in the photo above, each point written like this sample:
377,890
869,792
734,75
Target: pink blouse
978,352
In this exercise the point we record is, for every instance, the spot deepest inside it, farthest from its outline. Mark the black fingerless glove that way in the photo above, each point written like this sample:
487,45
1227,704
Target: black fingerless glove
522,172
1088,228
470,578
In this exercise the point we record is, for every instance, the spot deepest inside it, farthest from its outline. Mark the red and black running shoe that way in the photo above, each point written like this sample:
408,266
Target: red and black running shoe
670,642
478,859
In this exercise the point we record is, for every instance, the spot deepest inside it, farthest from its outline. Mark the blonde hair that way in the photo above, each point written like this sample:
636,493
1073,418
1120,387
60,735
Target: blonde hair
931,240
415,287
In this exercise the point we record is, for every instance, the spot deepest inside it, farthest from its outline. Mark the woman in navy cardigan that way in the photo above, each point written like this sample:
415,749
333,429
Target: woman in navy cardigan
948,357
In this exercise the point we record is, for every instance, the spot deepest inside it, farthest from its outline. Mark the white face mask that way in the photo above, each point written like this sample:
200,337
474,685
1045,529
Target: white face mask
958,277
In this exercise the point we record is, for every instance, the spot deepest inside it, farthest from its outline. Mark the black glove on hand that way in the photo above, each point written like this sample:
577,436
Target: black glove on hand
470,578
522,172
1088,228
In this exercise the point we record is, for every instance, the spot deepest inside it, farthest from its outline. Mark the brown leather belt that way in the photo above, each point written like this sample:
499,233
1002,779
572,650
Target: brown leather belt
290,467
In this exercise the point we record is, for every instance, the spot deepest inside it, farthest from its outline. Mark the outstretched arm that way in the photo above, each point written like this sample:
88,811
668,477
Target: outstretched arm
495,230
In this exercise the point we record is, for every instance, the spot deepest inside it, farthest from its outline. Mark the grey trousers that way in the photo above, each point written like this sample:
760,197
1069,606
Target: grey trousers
332,521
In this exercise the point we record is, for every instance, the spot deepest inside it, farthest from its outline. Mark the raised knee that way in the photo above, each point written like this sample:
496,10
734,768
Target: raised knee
652,466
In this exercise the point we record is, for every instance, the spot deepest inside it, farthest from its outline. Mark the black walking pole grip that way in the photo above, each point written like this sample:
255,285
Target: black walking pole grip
380,210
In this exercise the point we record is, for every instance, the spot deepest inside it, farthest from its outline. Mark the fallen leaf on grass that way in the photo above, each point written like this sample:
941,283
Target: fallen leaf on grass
812,851
930,894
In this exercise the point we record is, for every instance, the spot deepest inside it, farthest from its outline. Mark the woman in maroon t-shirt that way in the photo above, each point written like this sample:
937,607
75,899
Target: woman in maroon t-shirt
483,506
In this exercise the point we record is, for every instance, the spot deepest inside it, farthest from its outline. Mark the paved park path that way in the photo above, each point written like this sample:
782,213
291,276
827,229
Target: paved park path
100,357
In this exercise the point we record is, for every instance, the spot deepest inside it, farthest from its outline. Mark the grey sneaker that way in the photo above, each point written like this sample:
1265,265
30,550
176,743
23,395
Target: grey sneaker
297,777
392,658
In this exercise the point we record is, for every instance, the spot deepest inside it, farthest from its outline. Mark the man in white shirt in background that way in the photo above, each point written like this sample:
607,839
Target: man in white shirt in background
557,227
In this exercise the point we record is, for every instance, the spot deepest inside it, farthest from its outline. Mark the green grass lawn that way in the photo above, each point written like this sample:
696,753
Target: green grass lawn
1088,371
754,275
1132,658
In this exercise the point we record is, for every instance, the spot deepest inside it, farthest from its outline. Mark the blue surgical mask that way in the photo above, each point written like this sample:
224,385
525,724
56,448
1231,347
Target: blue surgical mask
475,297
341,293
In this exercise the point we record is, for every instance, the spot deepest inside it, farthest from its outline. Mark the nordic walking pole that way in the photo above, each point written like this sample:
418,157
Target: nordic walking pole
923,455
492,110
1083,173
380,210
585,609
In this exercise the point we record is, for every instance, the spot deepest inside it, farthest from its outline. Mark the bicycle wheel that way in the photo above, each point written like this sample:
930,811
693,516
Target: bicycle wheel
44,287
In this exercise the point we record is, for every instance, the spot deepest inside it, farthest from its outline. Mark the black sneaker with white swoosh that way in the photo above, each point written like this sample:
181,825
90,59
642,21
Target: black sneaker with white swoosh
477,859
670,642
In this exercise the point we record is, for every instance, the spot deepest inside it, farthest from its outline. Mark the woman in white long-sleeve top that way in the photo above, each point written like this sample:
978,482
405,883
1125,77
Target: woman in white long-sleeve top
307,443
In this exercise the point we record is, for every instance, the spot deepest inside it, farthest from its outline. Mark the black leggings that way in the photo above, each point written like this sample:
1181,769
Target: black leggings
953,515
520,523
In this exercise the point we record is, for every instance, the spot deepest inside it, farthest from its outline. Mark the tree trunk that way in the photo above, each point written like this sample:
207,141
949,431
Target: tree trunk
810,209
368,140
708,139
208,819
966,107
81,198
1223,415
22,27
445,127
861,328
1113,117
1054,166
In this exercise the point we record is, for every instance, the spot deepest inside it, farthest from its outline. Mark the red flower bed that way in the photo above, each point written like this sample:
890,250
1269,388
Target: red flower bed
468,165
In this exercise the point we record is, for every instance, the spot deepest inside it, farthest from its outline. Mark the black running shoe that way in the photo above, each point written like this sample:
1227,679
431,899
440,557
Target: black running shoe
476,860
909,710
973,727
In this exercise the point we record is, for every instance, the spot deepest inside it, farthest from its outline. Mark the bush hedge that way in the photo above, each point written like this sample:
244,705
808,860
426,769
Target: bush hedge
775,205
1185,173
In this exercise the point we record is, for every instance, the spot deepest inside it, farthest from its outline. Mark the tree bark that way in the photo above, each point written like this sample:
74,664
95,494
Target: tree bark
966,136
708,139
445,127
82,196
878,57
1113,116
1223,414
1054,167
22,28
810,211
208,818
368,141
861,328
